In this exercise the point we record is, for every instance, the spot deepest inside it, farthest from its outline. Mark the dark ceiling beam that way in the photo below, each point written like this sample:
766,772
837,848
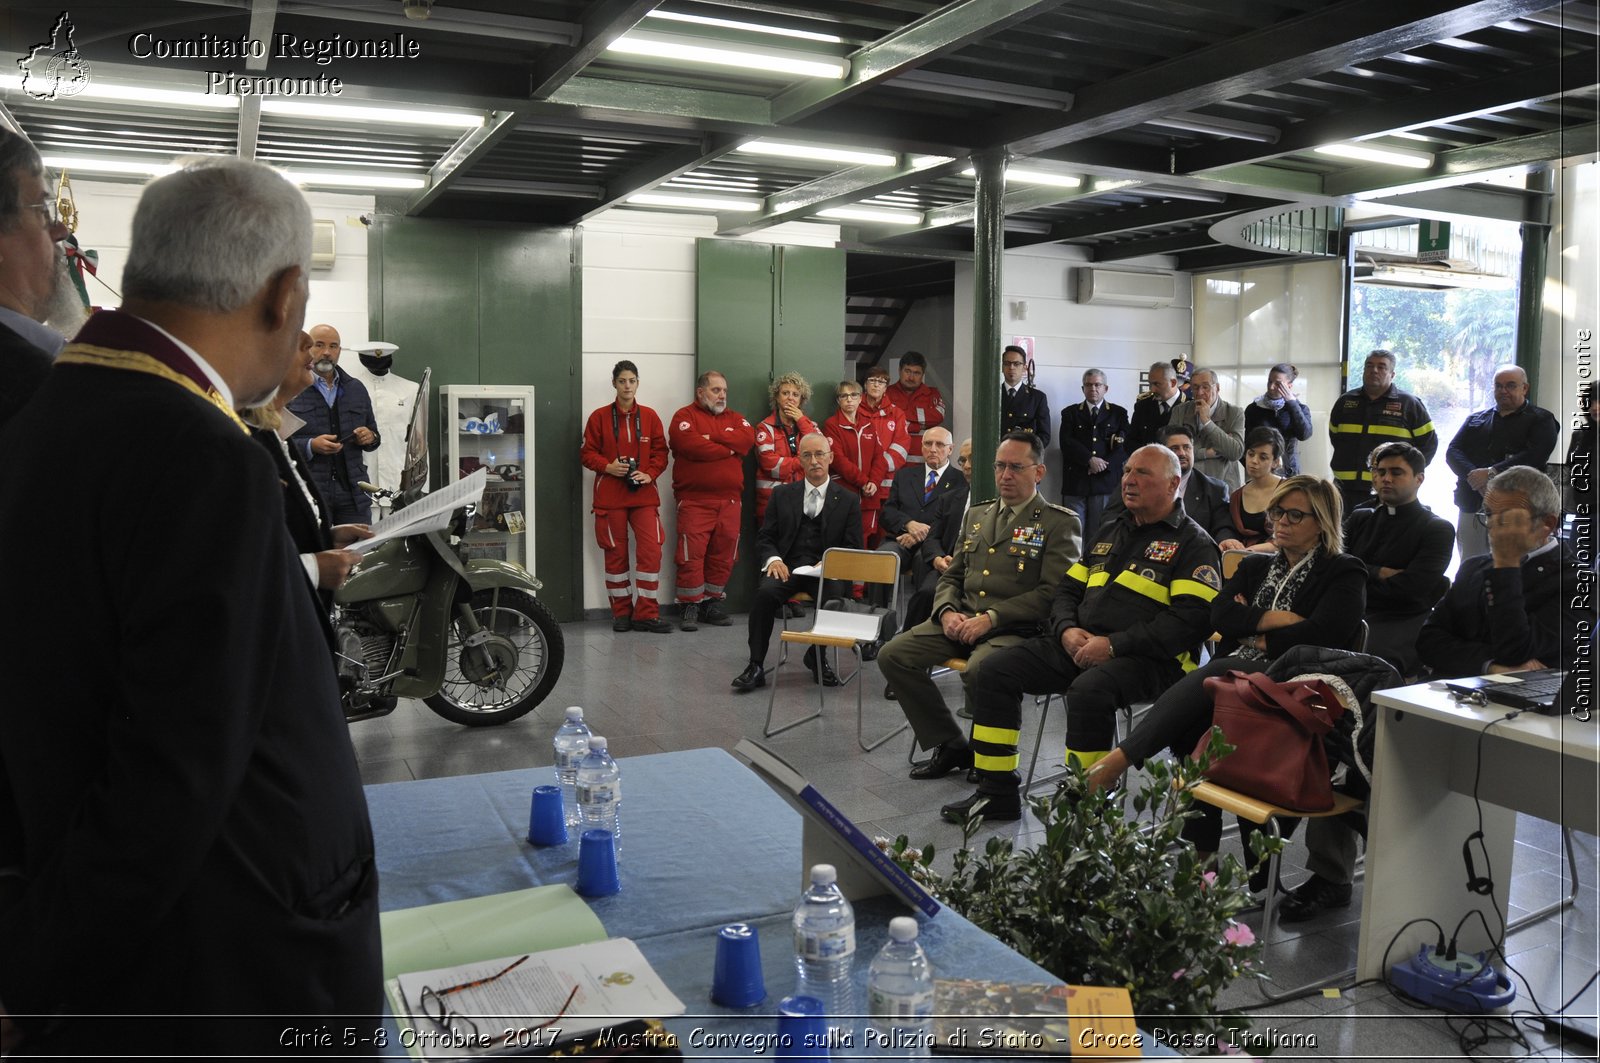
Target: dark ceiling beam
1220,258
1330,37
1020,200
474,24
1109,159
908,289
1172,213
1452,104
1154,245
460,159
834,190
1463,162
652,172
603,23
950,27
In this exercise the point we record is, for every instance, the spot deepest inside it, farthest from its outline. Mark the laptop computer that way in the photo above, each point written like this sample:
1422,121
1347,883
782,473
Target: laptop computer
1544,690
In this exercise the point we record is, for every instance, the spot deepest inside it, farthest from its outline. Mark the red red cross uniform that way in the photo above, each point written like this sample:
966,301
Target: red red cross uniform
859,458
776,461
611,435
708,452
922,409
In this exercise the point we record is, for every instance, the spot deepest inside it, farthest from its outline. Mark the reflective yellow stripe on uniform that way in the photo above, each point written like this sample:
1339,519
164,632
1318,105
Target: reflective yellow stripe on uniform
1339,474
1422,431
995,736
1147,587
1078,572
1389,430
1100,579
1194,587
1186,662
1352,429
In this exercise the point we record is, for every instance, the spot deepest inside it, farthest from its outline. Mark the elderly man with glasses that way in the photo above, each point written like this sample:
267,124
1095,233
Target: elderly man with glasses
1008,558
1217,427
30,242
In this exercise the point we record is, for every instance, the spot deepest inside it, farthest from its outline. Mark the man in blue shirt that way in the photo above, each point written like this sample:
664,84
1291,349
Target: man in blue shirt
338,425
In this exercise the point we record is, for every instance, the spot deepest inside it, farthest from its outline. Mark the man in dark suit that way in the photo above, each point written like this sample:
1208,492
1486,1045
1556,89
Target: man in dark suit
1023,407
803,520
29,244
1153,409
1094,444
189,864
918,516
1204,498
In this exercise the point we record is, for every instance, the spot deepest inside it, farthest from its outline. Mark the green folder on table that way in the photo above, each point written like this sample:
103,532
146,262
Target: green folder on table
481,928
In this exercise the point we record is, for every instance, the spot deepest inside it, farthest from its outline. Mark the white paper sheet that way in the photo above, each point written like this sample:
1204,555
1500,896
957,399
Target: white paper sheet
429,513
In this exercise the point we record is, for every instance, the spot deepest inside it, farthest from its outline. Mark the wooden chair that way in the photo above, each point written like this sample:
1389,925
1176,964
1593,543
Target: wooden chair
840,629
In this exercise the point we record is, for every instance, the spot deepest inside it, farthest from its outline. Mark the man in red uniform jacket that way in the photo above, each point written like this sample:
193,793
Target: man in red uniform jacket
709,442
920,404
627,449
859,460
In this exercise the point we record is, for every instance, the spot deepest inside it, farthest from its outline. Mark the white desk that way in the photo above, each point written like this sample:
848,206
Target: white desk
1422,810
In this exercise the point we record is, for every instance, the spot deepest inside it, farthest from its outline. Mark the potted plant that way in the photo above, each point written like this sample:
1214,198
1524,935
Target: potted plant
1113,899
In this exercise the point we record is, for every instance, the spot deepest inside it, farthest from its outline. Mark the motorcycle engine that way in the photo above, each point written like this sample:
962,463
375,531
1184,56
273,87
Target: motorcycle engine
364,650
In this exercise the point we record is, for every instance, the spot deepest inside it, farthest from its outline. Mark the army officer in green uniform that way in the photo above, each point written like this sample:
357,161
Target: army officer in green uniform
1008,558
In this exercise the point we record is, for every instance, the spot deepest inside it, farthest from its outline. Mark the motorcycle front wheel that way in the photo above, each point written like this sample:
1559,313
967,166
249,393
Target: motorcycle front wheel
528,649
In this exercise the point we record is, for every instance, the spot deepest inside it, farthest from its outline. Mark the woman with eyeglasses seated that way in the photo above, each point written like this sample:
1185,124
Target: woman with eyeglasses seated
1263,449
1307,593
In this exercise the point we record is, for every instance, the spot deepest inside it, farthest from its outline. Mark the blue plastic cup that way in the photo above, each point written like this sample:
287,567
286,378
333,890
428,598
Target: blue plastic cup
736,980
597,864
802,1029
547,824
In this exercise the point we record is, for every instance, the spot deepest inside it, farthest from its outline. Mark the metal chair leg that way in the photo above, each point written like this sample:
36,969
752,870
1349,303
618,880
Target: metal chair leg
1554,906
861,711
767,729
1268,910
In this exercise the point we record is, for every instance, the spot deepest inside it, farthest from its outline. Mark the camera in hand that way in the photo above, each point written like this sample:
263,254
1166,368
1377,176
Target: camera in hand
627,477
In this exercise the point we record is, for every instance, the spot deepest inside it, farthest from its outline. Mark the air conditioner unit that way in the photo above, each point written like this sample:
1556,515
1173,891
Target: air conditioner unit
321,244
1111,287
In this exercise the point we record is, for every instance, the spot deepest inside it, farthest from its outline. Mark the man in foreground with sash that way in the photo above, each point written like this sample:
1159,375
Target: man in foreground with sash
183,836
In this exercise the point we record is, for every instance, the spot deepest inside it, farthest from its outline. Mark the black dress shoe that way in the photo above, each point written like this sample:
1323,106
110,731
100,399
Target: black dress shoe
828,677
656,626
889,694
621,623
1315,896
947,757
869,652
753,676
1000,808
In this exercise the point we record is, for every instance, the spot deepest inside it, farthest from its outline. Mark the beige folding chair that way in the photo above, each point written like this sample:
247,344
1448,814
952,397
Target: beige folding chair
840,629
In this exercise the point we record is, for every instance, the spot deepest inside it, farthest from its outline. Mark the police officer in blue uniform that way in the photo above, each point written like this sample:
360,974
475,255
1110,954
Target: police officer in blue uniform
1023,407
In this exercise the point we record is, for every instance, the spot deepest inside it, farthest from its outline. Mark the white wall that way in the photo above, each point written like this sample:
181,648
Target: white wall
1571,297
338,296
639,304
1069,337
929,327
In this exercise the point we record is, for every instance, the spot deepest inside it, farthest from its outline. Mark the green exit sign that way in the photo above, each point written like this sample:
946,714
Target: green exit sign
1433,241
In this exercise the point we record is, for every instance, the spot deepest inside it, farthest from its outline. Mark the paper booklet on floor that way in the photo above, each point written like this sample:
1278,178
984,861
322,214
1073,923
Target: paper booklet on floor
544,1000
829,837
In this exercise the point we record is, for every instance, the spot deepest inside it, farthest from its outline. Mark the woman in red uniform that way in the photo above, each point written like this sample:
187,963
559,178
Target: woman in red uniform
891,424
627,449
778,438
859,462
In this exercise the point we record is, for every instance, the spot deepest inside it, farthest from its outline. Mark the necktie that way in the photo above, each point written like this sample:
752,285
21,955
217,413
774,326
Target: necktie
927,492
813,502
1002,520
1011,394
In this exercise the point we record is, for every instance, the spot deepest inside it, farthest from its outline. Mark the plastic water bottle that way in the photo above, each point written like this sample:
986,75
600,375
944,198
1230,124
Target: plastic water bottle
824,932
599,790
900,993
572,745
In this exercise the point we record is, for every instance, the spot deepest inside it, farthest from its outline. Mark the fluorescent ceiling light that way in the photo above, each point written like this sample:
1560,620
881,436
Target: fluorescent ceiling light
818,153
922,162
1025,176
100,90
340,112
751,27
773,61
85,164
1416,160
692,202
873,214
325,179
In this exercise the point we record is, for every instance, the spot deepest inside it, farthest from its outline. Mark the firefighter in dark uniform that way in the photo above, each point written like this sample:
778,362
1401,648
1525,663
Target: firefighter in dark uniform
1126,623
1023,407
996,592
1376,412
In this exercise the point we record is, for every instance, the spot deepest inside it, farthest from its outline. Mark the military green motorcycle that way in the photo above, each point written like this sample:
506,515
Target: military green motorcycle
417,619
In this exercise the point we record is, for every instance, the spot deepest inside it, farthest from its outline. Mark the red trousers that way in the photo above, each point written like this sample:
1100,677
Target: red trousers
611,532
708,545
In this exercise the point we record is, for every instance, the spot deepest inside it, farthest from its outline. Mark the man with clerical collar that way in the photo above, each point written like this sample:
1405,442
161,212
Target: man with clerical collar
339,426
186,863
32,277
1010,555
1406,548
1126,623
1509,610
1511,432
803,521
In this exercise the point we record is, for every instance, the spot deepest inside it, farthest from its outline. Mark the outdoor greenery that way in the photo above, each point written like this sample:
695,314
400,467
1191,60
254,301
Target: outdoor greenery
1114,899
1448,343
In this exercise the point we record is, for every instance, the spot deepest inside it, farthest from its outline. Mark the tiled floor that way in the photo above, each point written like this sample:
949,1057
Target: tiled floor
653,693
